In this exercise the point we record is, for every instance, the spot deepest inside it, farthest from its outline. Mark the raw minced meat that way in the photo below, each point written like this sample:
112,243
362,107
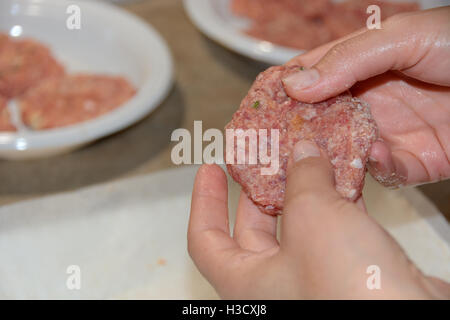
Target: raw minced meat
5,117
59,102
342,126
23,64
290,31
305,24
263,10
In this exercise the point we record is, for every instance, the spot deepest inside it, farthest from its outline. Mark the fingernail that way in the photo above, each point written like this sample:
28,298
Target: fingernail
302,79
305,149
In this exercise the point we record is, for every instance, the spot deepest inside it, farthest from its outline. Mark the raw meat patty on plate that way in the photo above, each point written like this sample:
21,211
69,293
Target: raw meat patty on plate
59,102
23,64
5,118
306,24
349,16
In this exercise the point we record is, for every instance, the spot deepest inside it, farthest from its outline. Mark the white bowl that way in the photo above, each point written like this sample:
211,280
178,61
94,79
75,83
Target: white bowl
110,41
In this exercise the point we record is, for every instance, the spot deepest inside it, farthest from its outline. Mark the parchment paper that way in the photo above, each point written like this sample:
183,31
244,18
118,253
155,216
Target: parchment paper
129,239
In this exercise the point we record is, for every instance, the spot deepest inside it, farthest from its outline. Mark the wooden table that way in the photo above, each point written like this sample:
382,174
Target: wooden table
210,82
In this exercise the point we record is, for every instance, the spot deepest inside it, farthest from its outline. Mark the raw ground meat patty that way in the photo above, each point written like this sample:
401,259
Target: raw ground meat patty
5,120
24,63
59,102
342,126
306,24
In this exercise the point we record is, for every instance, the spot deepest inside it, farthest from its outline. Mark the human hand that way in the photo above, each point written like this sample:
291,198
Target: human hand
403,72
326,244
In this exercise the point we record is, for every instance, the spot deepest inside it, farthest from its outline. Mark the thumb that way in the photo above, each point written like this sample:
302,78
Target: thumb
368,54
339,69
348,62
310,195
310,180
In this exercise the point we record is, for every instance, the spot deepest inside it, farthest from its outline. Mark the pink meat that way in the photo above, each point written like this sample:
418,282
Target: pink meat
59,102
264,10
342,126
5,119
306,24
289,30
23,63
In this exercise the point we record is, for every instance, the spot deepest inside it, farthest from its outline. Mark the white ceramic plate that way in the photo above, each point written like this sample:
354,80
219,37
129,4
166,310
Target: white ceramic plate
129,238
110,41
214,19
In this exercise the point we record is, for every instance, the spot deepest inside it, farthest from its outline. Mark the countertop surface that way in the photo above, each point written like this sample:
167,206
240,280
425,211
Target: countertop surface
210,82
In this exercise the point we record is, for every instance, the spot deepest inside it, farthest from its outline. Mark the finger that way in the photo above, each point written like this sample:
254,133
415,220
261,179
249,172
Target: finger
209,242
311,57
315,213
309,174
383,168
438,287
411,168
310,182
361,57
310,193
361,204
254,230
